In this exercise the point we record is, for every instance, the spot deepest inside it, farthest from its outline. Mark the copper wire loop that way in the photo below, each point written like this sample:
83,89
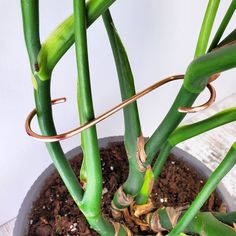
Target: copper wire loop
110,112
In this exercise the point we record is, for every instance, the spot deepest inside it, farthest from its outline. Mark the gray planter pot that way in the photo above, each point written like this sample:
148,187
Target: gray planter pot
22,222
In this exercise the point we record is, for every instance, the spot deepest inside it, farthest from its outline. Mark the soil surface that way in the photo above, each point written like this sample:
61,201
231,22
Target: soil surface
55,213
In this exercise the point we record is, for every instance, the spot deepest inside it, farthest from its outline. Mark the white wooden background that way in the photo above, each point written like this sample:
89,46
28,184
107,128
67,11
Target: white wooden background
210,148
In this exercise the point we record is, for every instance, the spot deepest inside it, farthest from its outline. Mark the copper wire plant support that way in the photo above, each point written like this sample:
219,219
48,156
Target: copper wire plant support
115,109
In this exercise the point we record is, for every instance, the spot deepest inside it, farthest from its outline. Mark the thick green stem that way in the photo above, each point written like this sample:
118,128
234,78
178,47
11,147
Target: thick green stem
161,159
185,132
223,25
169,124
225,166
227,218
204,223
45,119
63,37
207,224
30,14
202,68
206,27
91,204
131,117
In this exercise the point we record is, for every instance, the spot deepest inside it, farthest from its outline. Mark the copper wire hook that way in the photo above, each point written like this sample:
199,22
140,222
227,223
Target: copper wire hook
208,103
203,106
110,112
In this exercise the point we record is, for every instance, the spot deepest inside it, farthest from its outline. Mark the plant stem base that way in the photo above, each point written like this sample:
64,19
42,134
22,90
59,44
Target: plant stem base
56,211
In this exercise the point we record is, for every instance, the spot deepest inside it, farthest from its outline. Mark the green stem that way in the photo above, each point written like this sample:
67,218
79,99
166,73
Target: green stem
131,117
227,218
62,37
225,166
169,124
202,68
229,39
91,203
45,120
207,224
144,193
30,14
188,131
161,159
206,28
204,223
223,25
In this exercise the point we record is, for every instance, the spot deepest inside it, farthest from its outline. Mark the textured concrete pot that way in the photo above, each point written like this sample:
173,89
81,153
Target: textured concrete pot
22,222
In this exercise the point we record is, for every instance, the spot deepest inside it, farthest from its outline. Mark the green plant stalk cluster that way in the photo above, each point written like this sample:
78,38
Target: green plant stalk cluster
43,59
191,77
43,99
196,79
43,102
131,117
173,118
184,98
185,132
186,95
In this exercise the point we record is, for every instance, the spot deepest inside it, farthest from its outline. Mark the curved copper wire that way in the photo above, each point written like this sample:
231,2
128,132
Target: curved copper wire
203,106
110,112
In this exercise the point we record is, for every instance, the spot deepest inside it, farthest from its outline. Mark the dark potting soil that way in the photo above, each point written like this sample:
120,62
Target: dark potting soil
56,214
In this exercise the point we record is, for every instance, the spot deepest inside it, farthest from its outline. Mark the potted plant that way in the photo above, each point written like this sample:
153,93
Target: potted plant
131,200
